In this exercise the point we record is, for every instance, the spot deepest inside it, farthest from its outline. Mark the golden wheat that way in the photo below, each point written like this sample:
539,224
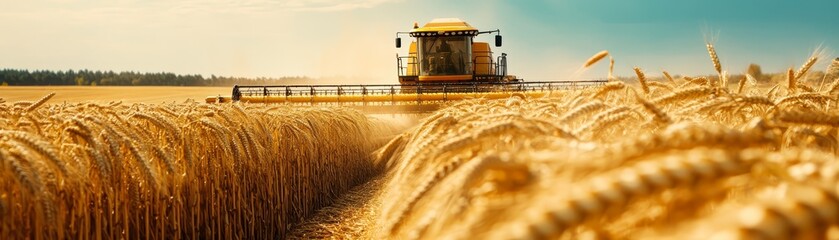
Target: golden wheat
595,58
642,79
168,172
664,168
714,59
694,160
669,78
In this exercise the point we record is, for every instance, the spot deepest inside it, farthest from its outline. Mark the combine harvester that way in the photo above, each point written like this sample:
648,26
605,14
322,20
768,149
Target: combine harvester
443,64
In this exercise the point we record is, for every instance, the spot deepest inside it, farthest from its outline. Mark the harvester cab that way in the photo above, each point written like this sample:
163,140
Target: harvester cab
445,51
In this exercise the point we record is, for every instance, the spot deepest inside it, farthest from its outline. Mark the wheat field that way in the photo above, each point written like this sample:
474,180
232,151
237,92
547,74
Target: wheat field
681,158
687,158
173,171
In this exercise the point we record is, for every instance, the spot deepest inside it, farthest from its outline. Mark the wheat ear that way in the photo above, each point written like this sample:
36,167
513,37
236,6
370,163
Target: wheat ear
596,58
642,79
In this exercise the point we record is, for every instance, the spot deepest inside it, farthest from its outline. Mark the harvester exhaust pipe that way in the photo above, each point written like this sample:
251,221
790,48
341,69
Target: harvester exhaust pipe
236,94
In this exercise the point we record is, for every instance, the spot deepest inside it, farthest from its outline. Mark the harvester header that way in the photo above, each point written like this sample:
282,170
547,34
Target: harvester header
444,62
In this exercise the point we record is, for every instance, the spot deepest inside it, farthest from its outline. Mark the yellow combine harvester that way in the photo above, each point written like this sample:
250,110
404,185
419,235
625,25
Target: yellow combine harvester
444,63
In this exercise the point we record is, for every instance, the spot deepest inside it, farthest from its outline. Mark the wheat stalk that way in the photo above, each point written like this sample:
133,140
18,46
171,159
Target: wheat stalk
792,81
714,59
806,67
39,102
642,80
746,79
831,73
595,58
609,87
659,116
669,78
679,170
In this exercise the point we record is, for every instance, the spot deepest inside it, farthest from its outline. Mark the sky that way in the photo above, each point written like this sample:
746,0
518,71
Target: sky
354,39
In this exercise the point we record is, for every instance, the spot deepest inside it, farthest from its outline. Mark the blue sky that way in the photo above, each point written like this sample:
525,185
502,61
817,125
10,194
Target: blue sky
545,40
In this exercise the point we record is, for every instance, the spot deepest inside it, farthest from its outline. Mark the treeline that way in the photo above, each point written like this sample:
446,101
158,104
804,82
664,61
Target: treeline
16,77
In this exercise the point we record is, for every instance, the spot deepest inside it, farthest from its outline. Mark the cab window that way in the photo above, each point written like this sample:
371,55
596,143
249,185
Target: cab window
445,55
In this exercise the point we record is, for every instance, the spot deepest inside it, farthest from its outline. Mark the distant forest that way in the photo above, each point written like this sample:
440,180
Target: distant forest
15,77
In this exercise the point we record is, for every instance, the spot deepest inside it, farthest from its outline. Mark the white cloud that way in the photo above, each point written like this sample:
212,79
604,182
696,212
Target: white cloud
252,6
97,7
333,5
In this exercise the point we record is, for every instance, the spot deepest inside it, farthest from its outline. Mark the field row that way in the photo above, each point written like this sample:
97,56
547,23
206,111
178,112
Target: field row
171,171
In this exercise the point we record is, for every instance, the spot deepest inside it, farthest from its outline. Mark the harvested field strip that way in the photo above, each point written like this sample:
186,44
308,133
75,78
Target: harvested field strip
352,216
